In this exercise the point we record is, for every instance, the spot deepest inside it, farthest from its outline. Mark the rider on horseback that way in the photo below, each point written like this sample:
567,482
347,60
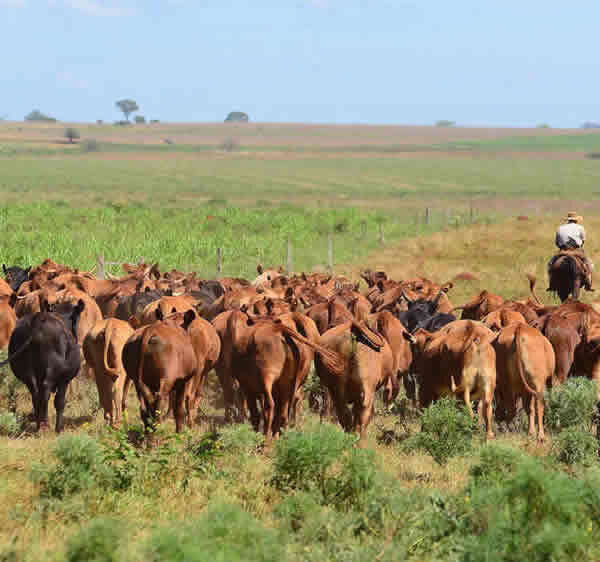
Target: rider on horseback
570,237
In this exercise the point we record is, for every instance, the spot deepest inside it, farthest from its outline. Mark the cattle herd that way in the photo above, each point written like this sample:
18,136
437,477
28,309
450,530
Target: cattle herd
165,331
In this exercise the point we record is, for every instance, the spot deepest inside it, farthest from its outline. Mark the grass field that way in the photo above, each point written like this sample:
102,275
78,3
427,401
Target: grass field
208,497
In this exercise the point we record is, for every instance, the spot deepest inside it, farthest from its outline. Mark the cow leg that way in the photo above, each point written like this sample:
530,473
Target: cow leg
254,413
343,412
228,392
530,409
117,401
33,390
487,411
60,399
42,409
268,407
179,406
126,386
365,411
539,402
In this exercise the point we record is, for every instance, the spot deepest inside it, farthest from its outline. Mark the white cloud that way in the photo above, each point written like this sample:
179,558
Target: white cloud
99,8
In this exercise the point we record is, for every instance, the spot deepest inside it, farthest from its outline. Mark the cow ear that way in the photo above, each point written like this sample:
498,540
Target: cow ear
380,285
280,269
134,322
289,293
269,304
244,308
303,276
408,336
259,269
159,314
188,318
79,306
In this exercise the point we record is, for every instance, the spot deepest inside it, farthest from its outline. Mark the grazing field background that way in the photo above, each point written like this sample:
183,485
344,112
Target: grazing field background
495,197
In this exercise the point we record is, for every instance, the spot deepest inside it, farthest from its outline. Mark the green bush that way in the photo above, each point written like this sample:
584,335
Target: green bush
536,514
96,542
496,463
9,424
224,533
575,446
79,462
240,439
447,430
302,458
571,404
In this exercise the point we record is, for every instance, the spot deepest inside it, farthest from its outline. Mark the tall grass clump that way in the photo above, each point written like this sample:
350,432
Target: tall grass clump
571,404
303,457
537,513
225,533
574,445
98,541
447,430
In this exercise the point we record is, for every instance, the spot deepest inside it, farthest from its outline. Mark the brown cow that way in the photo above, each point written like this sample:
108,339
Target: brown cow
501,318
102,349
525,364
5,289
8,319
207,347
167,305
367,363
461,351
160,358
480,306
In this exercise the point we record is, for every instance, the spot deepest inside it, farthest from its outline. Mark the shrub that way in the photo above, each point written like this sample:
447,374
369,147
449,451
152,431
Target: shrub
237,117
90,145
79,459
302,458
298,508
37,115
574,446
536,514
9,424
96,542
224,533
572,404
447,430
240,439
140,119
496,463
445,123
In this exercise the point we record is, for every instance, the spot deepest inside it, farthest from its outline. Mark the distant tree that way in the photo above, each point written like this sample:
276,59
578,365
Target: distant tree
140,119
127,107
543,126
445,123
37,115
152,121
71,134
590,125
99,122
237,117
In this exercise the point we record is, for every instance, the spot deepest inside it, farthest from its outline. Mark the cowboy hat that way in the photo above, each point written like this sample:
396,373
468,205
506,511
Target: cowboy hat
574,217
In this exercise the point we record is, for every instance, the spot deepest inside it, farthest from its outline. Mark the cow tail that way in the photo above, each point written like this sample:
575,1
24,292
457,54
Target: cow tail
332,361
17,353
107,333
520,362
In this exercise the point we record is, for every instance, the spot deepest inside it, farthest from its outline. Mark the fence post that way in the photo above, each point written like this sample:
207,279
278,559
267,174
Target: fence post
219,261
426,215
100,268
289,257
381,234
330,252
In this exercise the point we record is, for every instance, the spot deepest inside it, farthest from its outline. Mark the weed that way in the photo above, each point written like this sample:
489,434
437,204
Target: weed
98,541
574,445
447,430
572,404
303,457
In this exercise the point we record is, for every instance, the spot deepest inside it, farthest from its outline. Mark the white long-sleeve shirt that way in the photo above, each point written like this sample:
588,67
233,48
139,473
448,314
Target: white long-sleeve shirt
570,234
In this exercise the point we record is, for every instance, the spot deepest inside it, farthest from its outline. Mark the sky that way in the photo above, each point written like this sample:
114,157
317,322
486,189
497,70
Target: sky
490,63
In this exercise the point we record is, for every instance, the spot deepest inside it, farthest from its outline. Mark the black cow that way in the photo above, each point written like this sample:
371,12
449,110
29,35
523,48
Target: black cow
421,313
132,305
44,354
15,276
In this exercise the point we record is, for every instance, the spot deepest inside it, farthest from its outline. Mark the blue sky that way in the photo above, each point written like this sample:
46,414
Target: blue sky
513,63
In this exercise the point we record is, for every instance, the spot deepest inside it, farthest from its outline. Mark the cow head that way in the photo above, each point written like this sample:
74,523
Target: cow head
15,276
